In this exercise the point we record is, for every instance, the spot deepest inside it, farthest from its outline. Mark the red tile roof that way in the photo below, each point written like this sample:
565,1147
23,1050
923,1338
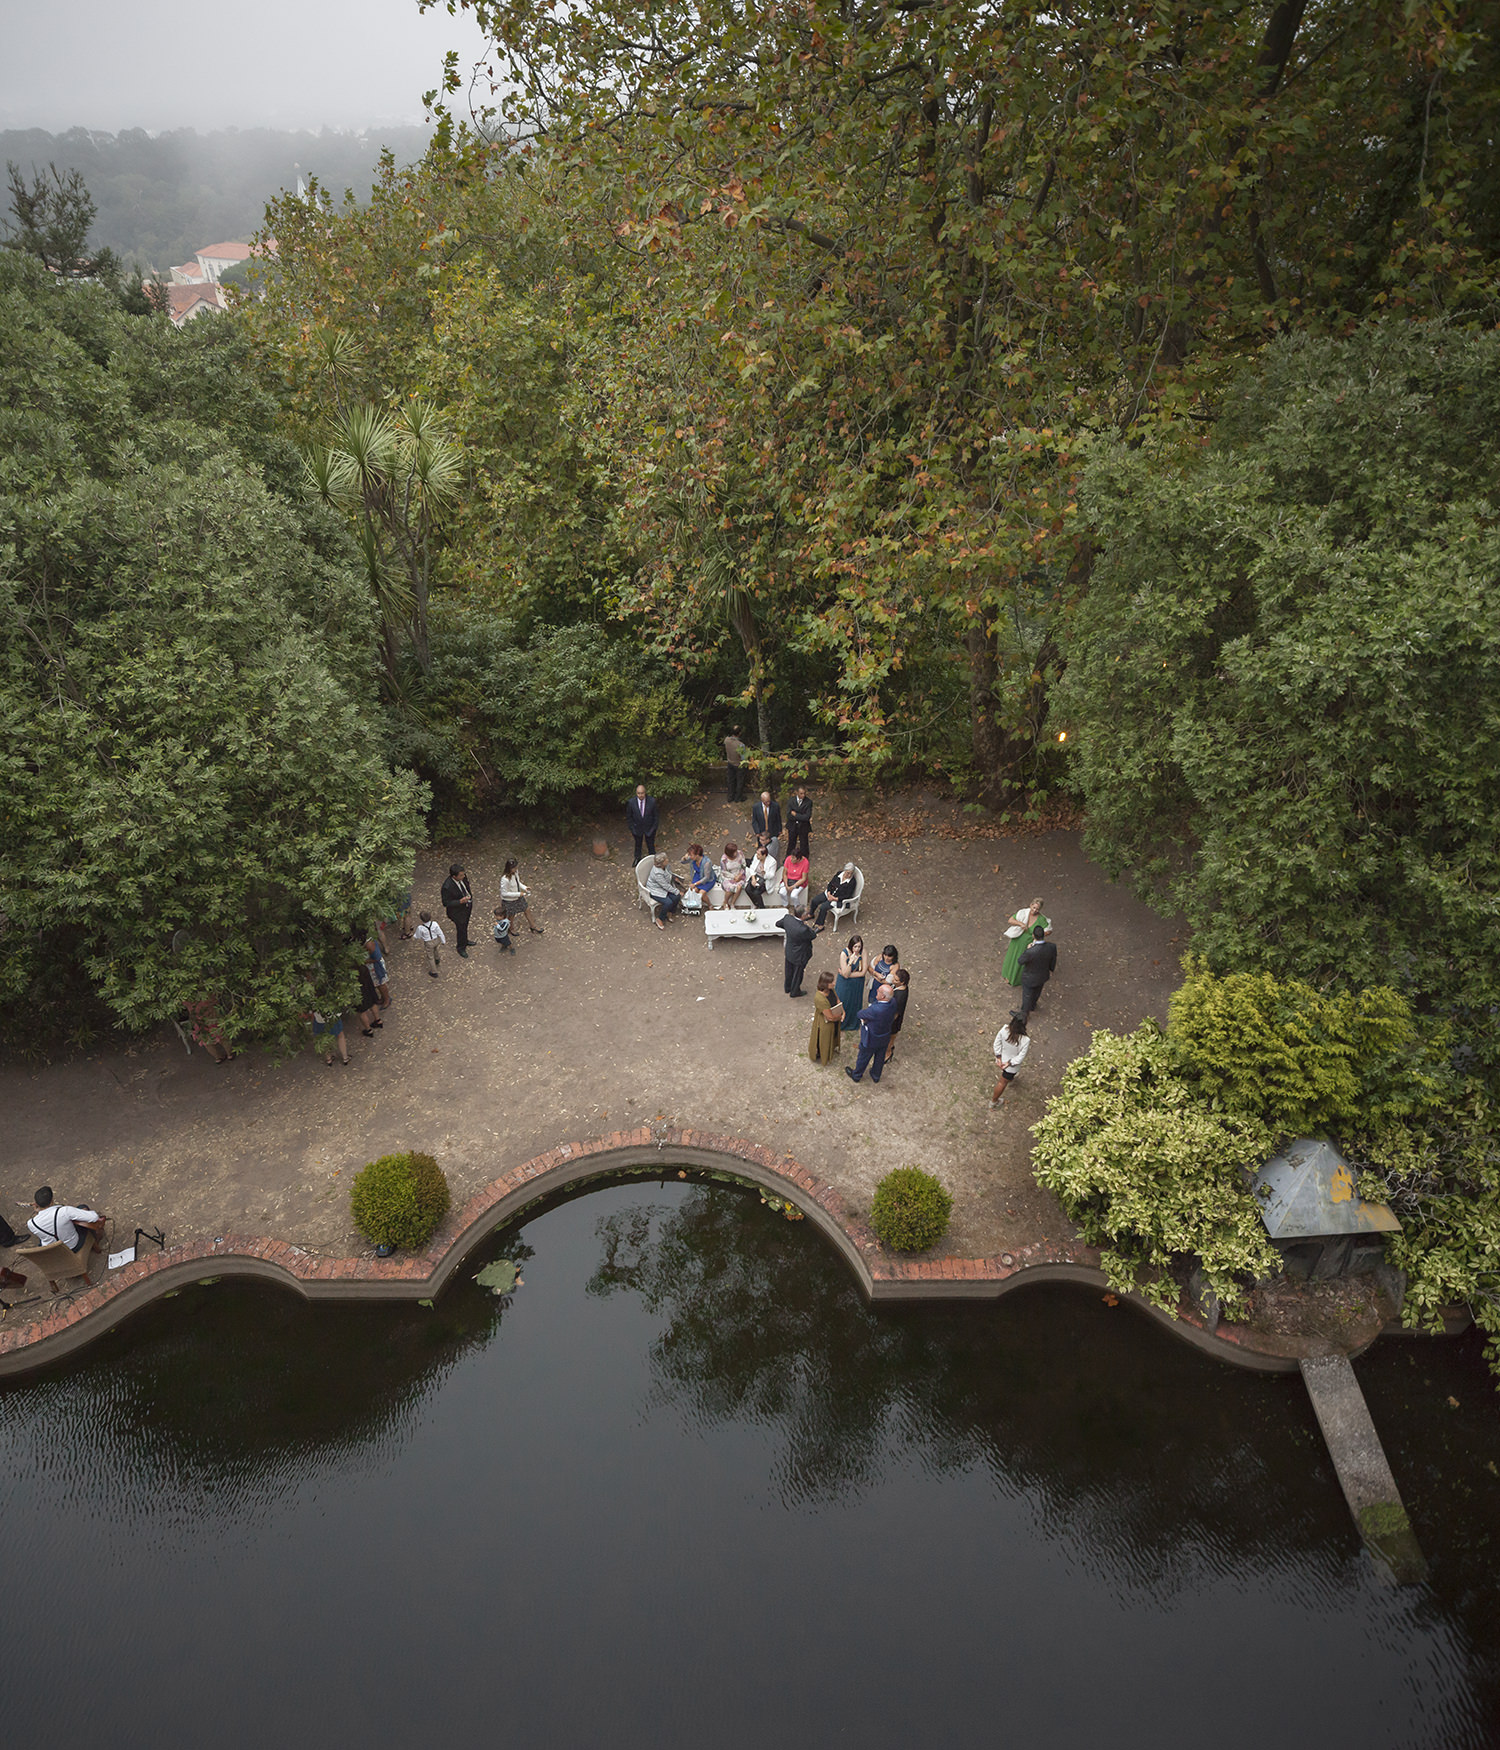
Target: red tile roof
224,252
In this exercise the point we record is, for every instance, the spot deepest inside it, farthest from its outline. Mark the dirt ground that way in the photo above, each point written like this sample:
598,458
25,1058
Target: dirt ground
605,1022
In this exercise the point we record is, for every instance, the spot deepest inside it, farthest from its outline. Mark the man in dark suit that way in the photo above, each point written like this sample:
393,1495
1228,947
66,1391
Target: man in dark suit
458,902
641,817
1037,965
875,1021
800,936
799,822
765,818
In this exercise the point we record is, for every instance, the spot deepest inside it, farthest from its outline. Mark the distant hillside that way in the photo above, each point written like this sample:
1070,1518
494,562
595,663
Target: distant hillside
159,199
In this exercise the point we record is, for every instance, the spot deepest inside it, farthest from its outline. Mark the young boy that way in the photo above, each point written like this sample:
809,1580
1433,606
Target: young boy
429,935
502,931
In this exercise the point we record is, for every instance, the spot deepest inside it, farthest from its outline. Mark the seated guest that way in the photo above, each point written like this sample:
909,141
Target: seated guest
661,887
760,878
703,878
839,891
732,874
794,878
77,1228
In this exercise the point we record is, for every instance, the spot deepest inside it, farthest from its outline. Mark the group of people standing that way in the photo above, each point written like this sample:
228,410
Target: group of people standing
840,1006
1029,962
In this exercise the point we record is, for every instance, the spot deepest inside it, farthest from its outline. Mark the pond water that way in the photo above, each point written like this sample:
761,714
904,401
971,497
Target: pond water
684,1488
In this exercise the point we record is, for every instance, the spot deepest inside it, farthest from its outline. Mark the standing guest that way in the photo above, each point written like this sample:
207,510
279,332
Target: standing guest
1011,1045
800,936
375,960
204,1017
839,891
765,818
703,878
369,1002
760,880
642,819
1037,965
900,982
734,764
515,898
77,1228
502,932
887,962
328,1036
794,878
874,1034
429,935
732,875
663,892
823,1041
1019,930
799,823
850,984
458,902
402,910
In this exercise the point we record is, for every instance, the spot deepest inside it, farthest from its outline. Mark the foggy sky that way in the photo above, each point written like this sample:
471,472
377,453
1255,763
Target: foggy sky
112,64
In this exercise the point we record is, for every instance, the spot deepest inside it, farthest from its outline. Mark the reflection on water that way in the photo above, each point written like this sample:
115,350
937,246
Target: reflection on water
686,1488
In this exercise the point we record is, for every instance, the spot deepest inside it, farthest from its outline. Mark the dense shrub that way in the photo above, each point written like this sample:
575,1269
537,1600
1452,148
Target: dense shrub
910,1211
1299,1058
399,1200
1151,1173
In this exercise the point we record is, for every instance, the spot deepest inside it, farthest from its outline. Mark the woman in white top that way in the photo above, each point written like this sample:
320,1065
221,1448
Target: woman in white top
515,896
1012,1043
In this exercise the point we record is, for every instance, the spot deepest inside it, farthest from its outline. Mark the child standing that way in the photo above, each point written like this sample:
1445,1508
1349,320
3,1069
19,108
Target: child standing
429,935
502,931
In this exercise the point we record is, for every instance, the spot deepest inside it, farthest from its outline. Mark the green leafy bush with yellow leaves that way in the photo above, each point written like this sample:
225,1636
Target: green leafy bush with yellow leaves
910,1210
399,1200
1152,1173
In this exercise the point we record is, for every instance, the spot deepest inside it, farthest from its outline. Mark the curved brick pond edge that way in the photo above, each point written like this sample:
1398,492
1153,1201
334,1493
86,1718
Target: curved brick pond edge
33,1342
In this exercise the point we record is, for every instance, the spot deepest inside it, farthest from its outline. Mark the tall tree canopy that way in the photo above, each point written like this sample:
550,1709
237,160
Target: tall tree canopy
1284,690
893,265
193,802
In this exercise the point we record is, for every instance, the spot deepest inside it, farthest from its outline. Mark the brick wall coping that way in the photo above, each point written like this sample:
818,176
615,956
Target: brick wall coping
33,1342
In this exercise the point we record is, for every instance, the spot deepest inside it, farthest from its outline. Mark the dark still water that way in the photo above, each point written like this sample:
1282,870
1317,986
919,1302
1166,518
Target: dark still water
686,1489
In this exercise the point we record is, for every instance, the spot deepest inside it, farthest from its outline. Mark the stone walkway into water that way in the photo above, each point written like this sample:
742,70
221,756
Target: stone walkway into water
605,1023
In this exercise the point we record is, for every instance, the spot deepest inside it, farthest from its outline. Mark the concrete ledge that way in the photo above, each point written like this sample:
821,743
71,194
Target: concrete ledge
882,1277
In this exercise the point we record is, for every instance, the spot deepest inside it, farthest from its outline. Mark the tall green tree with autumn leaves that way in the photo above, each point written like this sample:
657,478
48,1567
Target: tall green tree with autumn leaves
888,271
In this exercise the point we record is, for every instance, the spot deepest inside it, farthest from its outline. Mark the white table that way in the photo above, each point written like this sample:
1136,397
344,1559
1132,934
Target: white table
742,923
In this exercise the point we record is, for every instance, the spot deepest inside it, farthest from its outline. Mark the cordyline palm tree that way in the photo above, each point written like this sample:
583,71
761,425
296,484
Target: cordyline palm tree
398,475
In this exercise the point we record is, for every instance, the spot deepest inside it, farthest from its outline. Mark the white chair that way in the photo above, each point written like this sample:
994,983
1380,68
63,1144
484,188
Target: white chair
642,870
849,908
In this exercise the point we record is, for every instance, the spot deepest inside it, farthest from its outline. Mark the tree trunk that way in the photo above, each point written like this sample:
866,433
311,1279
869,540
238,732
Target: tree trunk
985,736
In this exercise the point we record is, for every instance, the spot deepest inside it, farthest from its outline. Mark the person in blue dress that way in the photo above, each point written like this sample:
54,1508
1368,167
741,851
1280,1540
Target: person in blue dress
703,877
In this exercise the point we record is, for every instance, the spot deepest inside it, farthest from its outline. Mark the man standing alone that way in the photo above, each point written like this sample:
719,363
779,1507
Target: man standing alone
1037,965
641,818
799,823
458,902
734,764
875,1021
800,936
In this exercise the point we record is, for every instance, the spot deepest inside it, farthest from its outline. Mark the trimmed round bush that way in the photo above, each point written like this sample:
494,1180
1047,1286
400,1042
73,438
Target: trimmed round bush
399,1200
910,1211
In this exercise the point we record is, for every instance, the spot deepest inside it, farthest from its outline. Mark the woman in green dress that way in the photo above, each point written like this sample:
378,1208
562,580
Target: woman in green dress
1019,930
851,982
823,1041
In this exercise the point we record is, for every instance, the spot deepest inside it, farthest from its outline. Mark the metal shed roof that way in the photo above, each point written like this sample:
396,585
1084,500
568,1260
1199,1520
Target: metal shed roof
1307,1192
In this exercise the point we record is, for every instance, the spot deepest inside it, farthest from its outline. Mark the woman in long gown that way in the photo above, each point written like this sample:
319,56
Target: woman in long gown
823,1041
850,984
1019,931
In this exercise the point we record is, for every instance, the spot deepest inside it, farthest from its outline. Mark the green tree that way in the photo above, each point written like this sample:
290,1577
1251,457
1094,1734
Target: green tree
194,801
1281,690
51,218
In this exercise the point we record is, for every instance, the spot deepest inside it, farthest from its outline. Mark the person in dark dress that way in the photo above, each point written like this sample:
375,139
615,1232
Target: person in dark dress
799,822
369,1002
641,818
800,936
1037,966
458,902
900,980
